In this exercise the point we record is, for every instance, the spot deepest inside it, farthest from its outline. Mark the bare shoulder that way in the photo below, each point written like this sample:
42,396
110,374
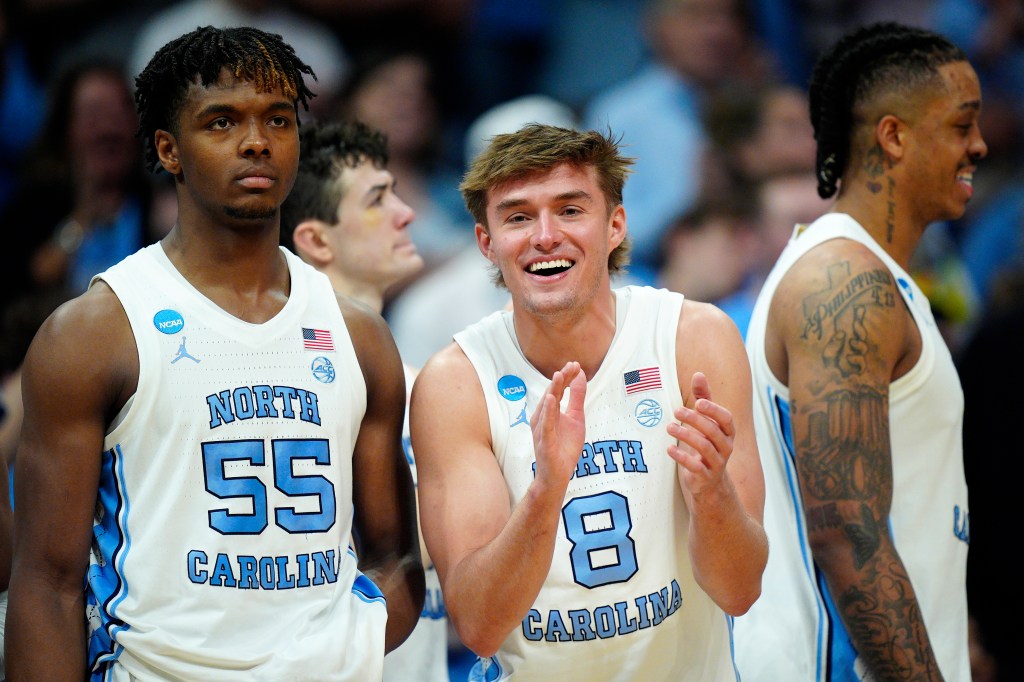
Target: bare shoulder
449,372
375,347
829,277
841,303
706,331
91,334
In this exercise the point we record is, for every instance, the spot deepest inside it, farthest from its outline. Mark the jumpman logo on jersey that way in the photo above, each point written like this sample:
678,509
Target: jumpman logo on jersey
182,353
521,419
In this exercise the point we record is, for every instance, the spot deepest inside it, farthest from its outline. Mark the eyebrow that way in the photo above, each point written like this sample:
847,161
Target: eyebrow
377,189
973,104
217,108
515,202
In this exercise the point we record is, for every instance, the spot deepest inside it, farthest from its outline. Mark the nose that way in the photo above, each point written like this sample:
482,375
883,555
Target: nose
255,142
406,214
546,234
978,148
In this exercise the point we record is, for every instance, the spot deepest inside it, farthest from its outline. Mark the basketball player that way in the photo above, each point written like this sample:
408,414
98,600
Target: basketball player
226,494
589,481
858,405
344,218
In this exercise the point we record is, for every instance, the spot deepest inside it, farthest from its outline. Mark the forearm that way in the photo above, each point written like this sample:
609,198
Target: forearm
879,608
45,635
490,590
728,548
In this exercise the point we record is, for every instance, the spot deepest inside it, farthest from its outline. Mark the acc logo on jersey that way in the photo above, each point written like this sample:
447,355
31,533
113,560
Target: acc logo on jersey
323,370
511,387
648,413
169,321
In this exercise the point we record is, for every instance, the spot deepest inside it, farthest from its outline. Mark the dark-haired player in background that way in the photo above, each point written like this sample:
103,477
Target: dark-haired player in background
858,406
205,433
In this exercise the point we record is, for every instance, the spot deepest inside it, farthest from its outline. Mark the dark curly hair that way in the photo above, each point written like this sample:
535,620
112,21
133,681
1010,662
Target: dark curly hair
198,57
325,150
877,58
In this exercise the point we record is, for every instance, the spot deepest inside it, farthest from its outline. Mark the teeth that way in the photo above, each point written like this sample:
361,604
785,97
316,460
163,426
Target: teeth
547,265
966,177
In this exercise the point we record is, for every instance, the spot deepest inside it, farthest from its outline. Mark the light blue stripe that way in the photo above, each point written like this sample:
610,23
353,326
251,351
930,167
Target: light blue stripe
780,414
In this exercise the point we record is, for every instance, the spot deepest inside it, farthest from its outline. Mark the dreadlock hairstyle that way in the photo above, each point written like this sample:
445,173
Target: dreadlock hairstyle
325,151
198,57
880,57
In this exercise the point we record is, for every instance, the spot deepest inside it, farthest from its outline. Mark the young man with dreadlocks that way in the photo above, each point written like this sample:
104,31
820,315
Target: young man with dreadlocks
223,442
858,406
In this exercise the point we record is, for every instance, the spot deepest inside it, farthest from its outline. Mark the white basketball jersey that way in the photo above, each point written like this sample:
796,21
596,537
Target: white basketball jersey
620,601
793,632
423,656
223,527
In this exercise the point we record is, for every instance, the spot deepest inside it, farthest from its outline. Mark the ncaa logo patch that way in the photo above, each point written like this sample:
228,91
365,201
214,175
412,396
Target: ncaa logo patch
648,413
168,321
323,370
511,387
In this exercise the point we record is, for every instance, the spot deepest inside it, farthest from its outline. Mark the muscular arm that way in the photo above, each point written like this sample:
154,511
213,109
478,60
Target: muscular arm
492,559
385,506
70,393
843,343
719,469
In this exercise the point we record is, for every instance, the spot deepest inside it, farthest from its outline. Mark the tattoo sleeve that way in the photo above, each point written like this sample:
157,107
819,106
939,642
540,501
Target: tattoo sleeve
840,403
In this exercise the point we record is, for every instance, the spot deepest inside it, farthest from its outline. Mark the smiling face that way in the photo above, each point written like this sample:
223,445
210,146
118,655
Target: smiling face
549,234
234,152
946,145
371,241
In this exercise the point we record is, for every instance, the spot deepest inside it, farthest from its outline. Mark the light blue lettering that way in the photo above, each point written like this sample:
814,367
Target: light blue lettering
264,397
285,580
195,559
309,410
557,632
632,456
287,395
220,411
241,397
324,568
606,448
604,621
582,629
247,578
531,626
222,576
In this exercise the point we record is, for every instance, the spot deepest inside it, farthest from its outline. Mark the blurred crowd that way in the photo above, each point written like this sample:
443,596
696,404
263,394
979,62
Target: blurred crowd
709,96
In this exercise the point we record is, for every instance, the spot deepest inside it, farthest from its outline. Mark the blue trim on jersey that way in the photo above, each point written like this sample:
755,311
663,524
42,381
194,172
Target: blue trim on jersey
365,589
106,588
782,423
841,653
485,670
729,620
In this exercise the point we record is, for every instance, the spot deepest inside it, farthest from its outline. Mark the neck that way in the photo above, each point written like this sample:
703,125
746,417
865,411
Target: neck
881,209
584,336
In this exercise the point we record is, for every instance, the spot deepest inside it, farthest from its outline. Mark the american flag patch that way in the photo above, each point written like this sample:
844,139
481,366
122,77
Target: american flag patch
317,339
646,379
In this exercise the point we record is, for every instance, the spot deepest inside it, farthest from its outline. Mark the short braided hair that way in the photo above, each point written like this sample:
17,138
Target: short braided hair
325,151
198,57
877,58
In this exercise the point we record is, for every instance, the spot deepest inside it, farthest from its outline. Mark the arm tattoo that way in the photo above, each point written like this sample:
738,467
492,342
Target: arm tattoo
838,311
886,623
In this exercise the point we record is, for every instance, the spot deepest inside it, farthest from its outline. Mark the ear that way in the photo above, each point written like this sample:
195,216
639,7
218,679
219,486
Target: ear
167,151
483,242
617,223
311,244
891,134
